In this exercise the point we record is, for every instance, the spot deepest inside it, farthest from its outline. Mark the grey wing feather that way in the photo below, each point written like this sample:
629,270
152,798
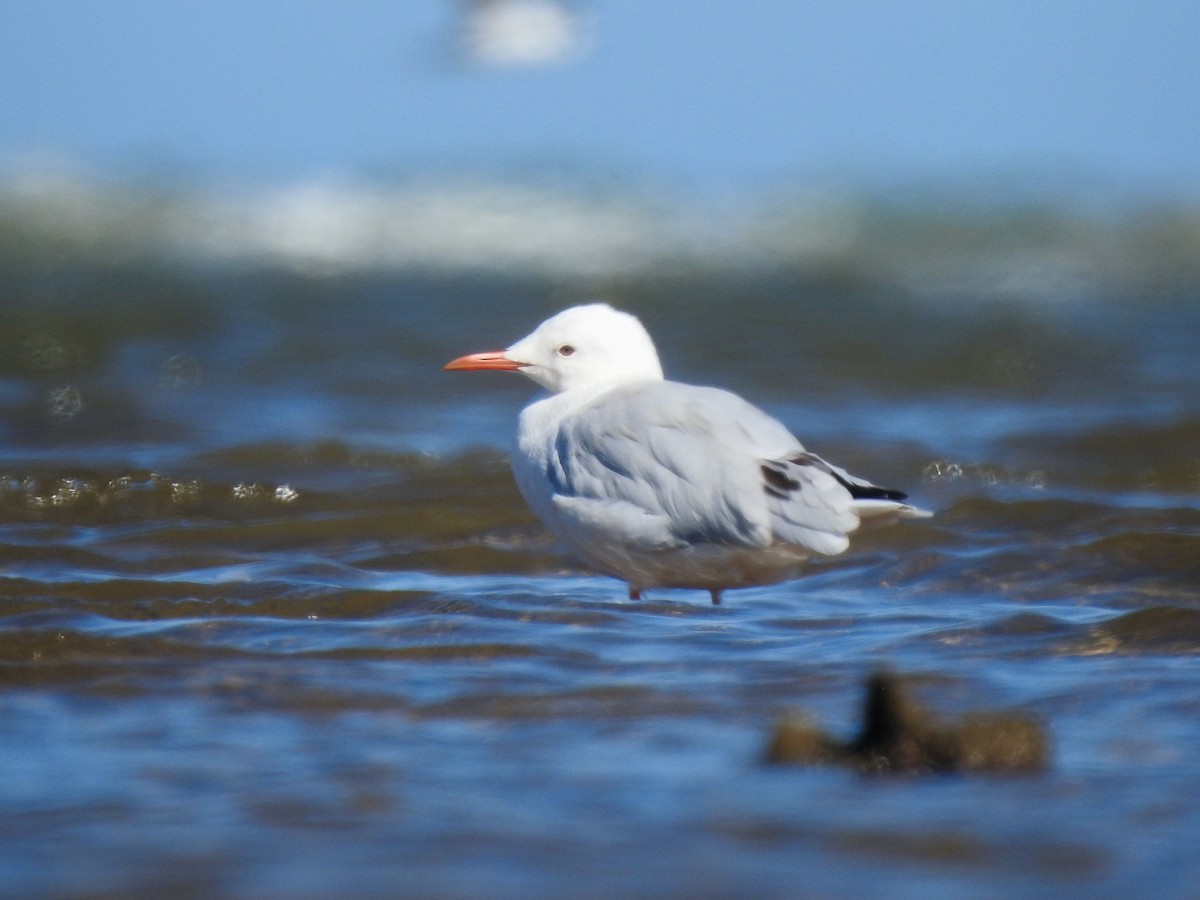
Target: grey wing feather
809,506
707,467
672,451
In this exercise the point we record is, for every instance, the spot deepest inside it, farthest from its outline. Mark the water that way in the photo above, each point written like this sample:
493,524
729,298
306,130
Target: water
275,622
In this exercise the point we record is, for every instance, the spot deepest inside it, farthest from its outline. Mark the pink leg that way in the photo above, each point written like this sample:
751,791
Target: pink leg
635,593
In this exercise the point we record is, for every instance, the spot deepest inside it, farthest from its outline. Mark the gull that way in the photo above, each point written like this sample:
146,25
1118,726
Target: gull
662,484
510,34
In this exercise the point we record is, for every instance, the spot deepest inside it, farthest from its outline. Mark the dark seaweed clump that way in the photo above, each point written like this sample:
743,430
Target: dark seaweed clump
899,735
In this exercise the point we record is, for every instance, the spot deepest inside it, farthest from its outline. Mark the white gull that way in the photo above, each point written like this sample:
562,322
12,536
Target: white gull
662,484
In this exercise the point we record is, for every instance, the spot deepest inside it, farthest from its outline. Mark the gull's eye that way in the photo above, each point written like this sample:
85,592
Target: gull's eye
566,350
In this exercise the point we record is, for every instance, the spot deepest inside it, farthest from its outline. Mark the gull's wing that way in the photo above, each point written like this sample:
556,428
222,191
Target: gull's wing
665,464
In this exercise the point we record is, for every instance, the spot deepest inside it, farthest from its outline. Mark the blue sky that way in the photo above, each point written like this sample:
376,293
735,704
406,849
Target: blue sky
697,95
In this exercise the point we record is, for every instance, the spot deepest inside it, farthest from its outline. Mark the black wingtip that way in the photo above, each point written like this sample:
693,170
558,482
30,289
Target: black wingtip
870,492
857,491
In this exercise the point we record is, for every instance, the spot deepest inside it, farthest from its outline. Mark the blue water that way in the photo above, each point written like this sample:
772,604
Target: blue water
274,621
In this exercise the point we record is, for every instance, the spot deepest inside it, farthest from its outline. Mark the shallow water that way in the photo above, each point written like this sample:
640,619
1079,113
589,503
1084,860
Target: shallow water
274,621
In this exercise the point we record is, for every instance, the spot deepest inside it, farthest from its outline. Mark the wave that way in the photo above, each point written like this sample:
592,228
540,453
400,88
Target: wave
939,243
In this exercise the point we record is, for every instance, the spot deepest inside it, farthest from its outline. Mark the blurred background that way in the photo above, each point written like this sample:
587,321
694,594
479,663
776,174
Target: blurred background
297,120
273,619
715,98
185,186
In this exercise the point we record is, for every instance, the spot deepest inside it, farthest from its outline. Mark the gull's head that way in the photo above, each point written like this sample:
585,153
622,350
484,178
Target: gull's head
580,347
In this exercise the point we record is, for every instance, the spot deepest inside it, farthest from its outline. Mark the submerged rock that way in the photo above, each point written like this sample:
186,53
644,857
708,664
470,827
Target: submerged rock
900,735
